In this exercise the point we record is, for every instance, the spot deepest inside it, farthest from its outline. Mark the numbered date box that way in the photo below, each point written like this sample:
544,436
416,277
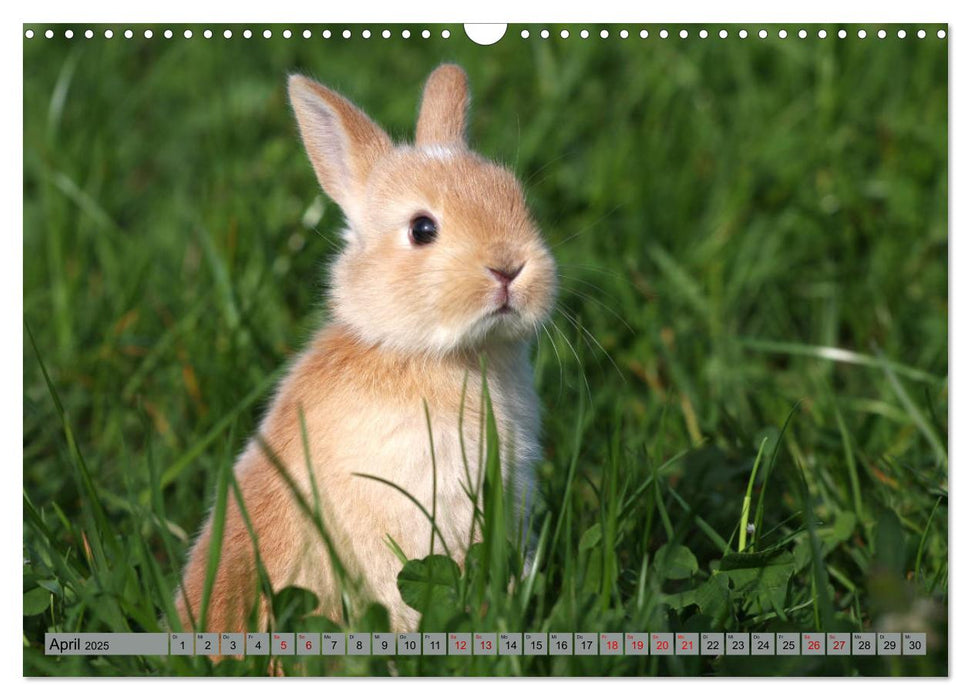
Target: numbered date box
181,644
231,644
763,644
686,644
915,644
510,644
333,644
484,644
712,643
433,644
662,644
787,644
382,644
207,644
637,643
813,644
585,644
888,643
611,644
535,644
737,644
308,643
838,644
864,644
282,643
561,644
460,644
359,644
409,644
257,643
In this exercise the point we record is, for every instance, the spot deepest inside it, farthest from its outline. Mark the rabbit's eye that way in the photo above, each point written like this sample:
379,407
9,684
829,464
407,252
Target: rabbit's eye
423,230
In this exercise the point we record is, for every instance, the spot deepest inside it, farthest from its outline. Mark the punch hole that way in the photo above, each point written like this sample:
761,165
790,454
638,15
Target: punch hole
742,34
723,34
148,34
167,33
49,33
346,33
129,33
307,34
683,34
941,34
425,34
228,34
763,34
29,34
247,34
564,34
783,33
109,33
584,34
841,33
386,34
901,34
663,33
703,33
405,33
644,34
446,34
624,34
921,33
487,34
604,33
821,34
881,34
524,34
207,34
366,33
325,34
803,33
68,34
545,34
287,34
861,33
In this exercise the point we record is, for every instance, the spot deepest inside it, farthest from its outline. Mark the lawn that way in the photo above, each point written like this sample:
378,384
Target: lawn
752,241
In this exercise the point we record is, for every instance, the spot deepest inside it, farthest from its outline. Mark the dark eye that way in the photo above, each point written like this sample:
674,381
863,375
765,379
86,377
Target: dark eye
423,230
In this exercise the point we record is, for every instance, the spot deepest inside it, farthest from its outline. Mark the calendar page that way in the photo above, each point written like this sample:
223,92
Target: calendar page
383,349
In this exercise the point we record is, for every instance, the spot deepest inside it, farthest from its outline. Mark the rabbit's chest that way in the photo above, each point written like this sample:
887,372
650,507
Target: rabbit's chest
401,465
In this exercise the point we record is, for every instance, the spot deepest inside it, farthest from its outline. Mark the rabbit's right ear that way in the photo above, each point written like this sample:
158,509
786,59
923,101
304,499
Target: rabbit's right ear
343,144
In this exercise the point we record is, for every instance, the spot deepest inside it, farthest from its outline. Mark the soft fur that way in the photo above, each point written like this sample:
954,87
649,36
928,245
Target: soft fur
410,326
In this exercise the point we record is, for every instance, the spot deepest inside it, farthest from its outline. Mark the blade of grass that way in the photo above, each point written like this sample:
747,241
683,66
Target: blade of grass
747,501
834,354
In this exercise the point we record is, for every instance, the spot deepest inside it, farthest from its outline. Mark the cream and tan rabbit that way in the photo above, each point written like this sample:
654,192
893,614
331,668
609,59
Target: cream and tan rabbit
442,265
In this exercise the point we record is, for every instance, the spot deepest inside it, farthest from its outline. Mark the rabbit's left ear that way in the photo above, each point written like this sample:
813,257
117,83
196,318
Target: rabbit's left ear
444,103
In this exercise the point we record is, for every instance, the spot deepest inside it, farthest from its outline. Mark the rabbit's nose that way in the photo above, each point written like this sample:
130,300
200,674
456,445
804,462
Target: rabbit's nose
507,274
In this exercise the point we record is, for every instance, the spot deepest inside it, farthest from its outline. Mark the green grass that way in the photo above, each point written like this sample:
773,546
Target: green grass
752,240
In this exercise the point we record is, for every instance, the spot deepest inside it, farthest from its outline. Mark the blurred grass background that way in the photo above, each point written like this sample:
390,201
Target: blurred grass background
748,231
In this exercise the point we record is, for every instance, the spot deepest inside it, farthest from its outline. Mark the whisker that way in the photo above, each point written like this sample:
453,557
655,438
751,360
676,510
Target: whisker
577,357
587,227
579,326
559,361
601,304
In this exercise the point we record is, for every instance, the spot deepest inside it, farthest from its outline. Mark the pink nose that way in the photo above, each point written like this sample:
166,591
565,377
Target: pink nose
507,275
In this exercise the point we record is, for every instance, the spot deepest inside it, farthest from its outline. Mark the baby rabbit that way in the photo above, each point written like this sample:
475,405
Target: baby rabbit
441,266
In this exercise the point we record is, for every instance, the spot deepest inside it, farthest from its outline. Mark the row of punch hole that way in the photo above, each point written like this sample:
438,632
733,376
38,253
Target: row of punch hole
525,33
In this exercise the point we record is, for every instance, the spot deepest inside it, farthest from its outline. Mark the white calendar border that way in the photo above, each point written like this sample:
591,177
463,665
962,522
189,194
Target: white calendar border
11,427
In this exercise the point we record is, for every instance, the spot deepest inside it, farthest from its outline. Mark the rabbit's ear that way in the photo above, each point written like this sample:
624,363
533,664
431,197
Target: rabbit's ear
443,107
343,144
